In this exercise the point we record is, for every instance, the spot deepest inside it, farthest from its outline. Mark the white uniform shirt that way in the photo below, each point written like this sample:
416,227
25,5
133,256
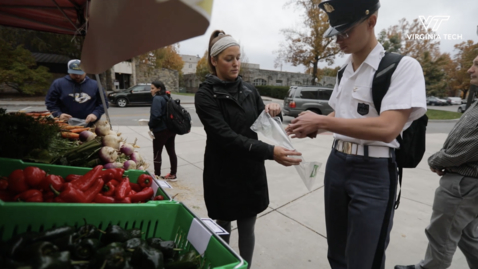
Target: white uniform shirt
407,90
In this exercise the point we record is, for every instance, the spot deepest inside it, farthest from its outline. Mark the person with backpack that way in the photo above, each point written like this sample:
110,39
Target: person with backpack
360,182
454,220
234,178
163,137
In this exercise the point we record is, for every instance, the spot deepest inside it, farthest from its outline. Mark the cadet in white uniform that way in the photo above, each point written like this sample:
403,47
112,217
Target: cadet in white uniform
361,173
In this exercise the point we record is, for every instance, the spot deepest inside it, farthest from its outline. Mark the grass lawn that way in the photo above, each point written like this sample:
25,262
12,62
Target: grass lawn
442,115
183,93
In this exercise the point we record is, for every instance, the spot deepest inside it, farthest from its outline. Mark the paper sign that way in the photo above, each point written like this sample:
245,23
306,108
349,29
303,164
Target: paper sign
214,226
199,236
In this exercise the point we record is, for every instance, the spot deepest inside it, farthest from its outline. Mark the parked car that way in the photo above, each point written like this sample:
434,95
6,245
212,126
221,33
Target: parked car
435,101
312,98
137,94
462,108
453,100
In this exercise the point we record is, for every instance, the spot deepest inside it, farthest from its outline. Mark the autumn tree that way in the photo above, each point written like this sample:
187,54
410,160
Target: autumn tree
166,57
467,52
18,70
202,69
307,46
324,72
436,84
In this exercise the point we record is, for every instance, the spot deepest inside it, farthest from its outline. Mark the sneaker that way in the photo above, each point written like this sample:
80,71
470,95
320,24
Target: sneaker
170,177
404,266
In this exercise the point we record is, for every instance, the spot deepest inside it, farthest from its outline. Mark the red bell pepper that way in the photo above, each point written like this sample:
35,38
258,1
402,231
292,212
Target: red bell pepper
107,175
145,181
126,200
108,189
58,200
114,182
48,196
85,182
131,192
52,181
143,195
33,175
16,182
71,194
3,183
122,189
103,199
72,177
158,198
6,196
117,173
135,187
29,196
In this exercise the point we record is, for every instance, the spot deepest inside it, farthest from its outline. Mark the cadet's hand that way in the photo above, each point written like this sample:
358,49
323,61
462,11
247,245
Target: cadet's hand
90,118
273,109
281,156
304,125
65,116
439,172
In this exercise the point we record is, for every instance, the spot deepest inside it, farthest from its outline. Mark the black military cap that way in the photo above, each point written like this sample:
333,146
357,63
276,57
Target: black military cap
344,14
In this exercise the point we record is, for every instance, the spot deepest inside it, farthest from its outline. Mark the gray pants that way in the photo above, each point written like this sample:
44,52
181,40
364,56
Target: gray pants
245,228
359,198
454,222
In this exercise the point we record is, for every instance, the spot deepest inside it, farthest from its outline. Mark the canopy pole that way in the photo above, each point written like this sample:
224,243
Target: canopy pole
103,101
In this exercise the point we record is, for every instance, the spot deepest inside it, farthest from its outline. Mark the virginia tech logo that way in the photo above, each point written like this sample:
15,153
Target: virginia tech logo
432,22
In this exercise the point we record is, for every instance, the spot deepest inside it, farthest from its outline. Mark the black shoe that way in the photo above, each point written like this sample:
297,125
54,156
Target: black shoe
404,266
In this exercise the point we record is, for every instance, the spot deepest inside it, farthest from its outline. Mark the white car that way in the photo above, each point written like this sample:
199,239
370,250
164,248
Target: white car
453,100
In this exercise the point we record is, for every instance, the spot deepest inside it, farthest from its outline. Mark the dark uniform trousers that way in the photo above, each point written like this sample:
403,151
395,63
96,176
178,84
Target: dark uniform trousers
359,199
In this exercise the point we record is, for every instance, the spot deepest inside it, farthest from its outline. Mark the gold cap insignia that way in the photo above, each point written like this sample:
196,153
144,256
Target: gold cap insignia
367,12
328,7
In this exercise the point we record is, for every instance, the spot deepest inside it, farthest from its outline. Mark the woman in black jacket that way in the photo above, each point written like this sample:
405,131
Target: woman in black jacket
235,183
163,137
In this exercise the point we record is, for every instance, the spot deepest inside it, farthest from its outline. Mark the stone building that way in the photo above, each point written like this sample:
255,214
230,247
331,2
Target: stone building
190,63
258,77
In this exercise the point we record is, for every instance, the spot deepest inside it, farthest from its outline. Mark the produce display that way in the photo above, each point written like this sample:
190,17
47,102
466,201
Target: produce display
38,137
33,184
89,247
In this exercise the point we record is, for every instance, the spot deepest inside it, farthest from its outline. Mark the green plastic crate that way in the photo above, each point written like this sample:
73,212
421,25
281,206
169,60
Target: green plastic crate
9,165
169,220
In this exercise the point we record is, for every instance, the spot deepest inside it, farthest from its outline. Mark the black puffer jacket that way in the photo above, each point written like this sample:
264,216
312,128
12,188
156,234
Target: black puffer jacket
235,183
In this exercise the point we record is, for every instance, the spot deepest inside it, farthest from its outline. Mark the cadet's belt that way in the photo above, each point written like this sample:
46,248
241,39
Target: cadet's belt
362,150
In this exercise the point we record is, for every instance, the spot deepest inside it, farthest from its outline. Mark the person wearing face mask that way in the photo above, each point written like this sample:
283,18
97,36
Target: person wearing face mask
75,95
163,137
234,178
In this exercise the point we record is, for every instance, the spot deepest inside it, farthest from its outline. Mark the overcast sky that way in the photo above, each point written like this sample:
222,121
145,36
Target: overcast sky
256,24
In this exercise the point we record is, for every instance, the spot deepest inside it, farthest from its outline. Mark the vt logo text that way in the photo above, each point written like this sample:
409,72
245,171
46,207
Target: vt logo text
433,22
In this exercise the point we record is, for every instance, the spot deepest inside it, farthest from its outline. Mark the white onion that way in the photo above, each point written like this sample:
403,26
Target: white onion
108,154
129,165
86,136
102,128
110,141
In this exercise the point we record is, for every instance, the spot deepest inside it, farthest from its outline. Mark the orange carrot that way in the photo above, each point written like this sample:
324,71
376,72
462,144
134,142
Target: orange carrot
79,130
70,135
70,127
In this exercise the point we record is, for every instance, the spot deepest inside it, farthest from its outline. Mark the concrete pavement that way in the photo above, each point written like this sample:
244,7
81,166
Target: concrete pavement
291,232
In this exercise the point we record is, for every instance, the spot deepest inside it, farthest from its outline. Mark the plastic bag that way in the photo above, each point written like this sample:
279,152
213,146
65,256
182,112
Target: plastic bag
77,122
272,129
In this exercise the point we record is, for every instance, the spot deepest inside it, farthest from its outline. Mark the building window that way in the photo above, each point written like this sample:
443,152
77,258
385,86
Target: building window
259,82
190,65
279,82
297,83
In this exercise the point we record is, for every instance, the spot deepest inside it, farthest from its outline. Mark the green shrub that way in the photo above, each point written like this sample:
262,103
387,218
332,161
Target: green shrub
279,92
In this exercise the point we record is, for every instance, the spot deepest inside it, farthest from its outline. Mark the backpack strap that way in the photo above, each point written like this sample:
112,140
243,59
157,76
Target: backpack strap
340,74
380,85
383,77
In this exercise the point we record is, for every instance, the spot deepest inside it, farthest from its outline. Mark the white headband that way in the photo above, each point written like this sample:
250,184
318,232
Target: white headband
222,44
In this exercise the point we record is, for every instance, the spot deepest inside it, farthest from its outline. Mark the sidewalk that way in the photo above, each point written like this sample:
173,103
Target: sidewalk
291,232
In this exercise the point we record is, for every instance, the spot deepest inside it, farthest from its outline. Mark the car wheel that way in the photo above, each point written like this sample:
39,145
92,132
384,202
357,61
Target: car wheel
121,102
460,110
316,111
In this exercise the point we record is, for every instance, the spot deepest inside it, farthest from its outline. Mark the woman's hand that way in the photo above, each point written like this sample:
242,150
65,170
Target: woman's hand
439,172
281,156
65,116
273,109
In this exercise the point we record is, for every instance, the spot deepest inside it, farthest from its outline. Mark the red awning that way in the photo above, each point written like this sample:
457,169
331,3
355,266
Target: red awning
56,16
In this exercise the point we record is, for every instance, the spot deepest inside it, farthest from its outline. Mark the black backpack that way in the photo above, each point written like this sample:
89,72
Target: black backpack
412,141
176,117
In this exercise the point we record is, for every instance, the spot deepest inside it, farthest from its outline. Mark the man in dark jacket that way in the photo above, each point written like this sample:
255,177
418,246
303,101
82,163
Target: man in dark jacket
75,95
